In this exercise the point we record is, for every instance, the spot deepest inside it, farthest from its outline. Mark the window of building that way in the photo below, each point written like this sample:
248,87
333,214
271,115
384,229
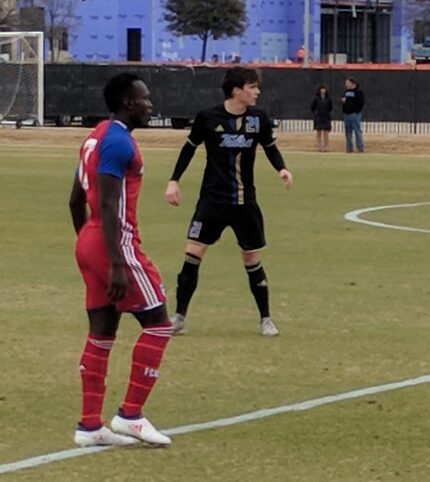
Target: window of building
361,33
421,30
134,44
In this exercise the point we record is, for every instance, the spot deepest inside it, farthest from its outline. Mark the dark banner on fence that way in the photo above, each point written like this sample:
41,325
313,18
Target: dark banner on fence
181,91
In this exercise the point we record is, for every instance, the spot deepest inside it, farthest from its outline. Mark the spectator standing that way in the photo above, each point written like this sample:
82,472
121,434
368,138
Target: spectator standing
353,103
321,107
300,54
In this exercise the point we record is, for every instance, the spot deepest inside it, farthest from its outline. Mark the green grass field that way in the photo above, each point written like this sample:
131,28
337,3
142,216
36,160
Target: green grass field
352,302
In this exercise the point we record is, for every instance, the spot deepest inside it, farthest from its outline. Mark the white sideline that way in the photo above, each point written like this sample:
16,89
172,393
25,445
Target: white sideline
354,216
224,422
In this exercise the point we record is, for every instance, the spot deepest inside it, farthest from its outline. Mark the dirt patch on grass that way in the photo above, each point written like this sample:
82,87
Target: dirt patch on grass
169,138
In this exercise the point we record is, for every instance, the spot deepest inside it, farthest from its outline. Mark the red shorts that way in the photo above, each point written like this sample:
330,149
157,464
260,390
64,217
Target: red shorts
145,290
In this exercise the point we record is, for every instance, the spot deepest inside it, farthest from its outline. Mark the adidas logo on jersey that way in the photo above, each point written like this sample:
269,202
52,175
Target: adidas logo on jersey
219,128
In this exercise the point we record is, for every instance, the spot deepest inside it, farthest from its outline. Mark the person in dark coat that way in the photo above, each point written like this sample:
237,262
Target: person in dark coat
321,107
353,103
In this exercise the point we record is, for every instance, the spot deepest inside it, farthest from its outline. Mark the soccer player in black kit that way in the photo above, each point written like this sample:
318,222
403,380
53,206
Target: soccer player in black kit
231,132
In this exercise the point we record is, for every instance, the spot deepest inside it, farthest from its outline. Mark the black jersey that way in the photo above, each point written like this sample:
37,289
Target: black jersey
231,143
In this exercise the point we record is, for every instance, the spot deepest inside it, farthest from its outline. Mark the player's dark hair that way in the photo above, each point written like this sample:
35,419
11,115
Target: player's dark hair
352,80
238,77
117,89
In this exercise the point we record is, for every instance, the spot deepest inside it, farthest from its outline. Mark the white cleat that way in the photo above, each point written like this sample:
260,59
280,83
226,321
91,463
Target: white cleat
268,328
141,429
102,436
178,322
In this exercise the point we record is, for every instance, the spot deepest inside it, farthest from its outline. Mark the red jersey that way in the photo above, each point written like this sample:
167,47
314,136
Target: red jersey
110,149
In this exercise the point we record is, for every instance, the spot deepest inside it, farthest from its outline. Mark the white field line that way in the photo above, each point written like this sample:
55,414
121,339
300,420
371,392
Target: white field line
225,422
354,216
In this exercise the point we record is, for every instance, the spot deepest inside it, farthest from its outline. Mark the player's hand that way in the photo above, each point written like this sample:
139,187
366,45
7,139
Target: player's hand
118,283
287,178
173,193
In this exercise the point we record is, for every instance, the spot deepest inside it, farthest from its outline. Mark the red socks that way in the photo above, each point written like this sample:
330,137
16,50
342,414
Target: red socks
93,368
147,354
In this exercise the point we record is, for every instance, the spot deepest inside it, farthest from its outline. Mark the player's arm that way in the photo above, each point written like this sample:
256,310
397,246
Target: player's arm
275,158
115,157
173,193
268,142
78,205
196,137
109,193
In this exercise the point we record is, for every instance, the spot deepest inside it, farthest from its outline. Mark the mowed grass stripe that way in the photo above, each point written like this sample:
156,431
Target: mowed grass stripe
224,422
352,304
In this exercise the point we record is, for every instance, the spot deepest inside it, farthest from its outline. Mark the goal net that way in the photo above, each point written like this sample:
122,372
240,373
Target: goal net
21,74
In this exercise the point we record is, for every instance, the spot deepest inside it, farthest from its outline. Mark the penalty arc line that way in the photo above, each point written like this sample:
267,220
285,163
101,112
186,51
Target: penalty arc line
354,216
225,422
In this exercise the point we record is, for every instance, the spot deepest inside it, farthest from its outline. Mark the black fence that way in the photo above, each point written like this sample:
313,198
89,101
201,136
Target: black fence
180,91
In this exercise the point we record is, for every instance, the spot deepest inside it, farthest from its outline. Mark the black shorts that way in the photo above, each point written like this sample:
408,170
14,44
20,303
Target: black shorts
210,219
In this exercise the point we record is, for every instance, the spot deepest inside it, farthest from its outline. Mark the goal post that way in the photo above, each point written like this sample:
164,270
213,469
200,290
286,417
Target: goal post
21,74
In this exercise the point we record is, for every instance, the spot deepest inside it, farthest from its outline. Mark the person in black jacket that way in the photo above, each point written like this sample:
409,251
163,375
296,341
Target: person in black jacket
321,107
353,103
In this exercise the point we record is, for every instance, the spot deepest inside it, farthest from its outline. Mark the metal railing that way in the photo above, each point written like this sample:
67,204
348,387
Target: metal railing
402,128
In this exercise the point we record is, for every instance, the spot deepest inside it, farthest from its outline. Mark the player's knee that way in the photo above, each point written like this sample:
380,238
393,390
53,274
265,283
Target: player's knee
250,258
156,316
195,250
193,259
103,321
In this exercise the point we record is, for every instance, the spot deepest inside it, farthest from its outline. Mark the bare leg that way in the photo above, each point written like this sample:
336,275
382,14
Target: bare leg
326,141
319,140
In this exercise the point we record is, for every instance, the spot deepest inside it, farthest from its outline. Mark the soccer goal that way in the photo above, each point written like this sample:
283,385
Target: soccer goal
21,74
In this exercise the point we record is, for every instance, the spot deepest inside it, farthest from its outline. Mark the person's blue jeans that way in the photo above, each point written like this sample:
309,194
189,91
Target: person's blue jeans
353,125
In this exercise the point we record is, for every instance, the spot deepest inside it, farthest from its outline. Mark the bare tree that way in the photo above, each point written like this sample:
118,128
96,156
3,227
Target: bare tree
60,19
8,15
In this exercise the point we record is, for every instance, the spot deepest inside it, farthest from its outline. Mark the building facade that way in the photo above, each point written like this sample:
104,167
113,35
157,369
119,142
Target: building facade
135,30
339,31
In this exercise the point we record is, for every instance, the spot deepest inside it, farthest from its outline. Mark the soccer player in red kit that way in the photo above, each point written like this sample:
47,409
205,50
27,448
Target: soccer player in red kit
118,276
